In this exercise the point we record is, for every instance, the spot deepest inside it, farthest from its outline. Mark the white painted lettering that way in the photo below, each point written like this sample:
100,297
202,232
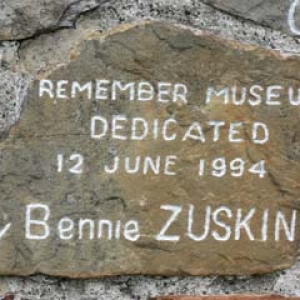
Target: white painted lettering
131,231
66,228
176,210
170,161
273,93
117,124
211,93
198,134
42,229
281,224
101,229
164,92
263,128
257,100
46,87
91,228
234,132
118,87
145,91
243,223
168,123
139,129
101,92
61,89
218,222
104,127
77,88
217,127
180,93
205,233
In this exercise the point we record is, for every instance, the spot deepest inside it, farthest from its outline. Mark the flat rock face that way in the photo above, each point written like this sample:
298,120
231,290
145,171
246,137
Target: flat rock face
278,14
154,150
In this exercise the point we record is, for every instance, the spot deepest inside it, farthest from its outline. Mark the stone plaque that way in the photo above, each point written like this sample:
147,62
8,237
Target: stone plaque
231,297
156,149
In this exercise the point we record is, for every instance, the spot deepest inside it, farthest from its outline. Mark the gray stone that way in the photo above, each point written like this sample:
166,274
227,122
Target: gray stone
24,19
278,14
52,49
13,86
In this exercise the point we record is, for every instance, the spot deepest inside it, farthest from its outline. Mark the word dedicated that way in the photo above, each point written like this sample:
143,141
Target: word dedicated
120,127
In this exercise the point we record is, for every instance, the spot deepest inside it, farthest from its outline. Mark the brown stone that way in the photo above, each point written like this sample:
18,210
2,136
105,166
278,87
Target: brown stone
230,297
9,297
215,188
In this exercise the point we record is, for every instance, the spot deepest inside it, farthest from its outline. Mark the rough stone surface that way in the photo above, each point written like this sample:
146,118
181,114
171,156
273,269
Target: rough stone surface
231,297
10,296
52,49
13,85
56,125
281,15
48,50
22,19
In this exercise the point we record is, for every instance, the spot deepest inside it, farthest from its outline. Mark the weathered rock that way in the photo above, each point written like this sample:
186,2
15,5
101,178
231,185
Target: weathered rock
24,19
13,86
217,187
277,14
231,297
10,296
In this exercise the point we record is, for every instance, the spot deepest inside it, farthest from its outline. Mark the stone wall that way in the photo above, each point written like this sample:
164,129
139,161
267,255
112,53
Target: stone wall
35,34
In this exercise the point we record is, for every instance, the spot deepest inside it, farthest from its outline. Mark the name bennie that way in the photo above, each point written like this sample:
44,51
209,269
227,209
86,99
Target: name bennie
201,223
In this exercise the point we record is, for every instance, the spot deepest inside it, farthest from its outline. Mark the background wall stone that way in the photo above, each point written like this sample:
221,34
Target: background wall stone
36,34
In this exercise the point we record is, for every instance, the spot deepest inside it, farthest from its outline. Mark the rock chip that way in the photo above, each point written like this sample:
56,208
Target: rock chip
155,149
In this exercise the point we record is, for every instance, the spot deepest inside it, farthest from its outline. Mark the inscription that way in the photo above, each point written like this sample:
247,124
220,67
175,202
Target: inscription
103,89
180,149
106,229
